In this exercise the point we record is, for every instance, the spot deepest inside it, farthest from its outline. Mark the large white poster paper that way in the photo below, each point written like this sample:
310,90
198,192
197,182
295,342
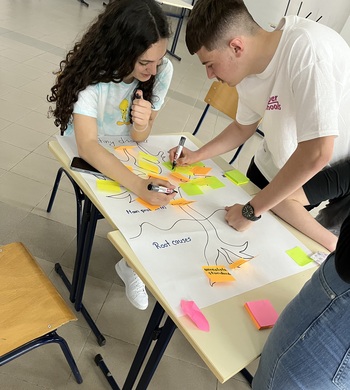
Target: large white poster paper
174,242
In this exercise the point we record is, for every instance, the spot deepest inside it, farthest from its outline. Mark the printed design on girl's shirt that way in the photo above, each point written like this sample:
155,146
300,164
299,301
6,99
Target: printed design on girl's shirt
273,104
124,107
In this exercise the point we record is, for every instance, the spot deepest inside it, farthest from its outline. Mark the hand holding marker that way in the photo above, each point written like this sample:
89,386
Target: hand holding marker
178,150
161,189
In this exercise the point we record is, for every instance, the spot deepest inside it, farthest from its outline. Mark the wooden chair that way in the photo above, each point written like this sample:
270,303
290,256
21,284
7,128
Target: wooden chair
224,99
30,306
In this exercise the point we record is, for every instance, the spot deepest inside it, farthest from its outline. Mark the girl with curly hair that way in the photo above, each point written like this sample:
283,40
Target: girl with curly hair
113,82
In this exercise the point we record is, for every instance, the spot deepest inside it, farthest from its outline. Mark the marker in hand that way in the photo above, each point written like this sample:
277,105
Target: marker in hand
179,150
161,189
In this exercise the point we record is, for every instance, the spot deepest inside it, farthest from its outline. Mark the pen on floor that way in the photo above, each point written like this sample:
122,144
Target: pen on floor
179,150
161,189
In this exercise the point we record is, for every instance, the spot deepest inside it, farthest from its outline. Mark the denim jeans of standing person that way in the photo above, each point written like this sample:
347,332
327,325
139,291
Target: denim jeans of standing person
309,346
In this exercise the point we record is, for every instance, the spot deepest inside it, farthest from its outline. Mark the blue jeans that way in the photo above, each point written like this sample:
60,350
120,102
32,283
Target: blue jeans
309,346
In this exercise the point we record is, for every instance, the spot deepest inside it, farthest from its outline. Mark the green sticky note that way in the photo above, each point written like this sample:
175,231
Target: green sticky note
237,177
191,189
299,256
214,182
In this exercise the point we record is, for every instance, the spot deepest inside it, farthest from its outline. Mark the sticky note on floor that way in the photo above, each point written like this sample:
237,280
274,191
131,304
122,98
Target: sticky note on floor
108,185
299,256
262,313
218,273
236,177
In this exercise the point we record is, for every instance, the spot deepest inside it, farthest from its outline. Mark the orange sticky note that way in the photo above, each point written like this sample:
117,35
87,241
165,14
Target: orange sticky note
148,205
200,170
121,147
178,176
237,263
262,313
180,202
150,174
218,273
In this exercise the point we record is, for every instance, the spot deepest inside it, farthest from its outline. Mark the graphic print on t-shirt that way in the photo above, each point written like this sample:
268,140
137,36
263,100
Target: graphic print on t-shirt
124,106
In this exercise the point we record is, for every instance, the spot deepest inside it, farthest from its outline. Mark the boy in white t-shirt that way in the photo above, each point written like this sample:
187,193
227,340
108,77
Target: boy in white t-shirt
297,78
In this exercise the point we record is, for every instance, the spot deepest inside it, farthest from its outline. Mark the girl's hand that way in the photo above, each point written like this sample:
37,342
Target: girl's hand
141,111
153,197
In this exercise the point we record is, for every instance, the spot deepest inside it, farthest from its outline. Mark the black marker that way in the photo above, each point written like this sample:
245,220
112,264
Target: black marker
161,189
179,150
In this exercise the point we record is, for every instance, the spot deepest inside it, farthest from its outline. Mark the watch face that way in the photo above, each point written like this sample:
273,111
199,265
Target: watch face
248,212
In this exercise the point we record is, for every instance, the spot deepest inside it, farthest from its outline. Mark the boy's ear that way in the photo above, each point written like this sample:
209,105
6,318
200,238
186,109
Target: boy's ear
237,46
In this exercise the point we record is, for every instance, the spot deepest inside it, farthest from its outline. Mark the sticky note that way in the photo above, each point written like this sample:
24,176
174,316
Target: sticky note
197,170
214,183
191,189
237,263
151,174
236,177
299,256
262,313
148,205
122,147
108,185
218,273
148,157
194,313
148,166
180,202
179,176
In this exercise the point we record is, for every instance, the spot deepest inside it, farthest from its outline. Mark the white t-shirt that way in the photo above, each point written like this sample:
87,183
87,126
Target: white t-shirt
110,102
303,94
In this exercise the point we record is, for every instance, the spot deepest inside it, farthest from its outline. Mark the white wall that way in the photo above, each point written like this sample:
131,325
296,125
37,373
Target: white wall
334,13
345,32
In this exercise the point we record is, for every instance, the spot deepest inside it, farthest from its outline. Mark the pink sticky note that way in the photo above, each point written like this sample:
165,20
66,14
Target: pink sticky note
193,311
262,313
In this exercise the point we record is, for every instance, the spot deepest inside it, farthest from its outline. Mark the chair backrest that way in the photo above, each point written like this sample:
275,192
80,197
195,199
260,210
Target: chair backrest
30,305
223,97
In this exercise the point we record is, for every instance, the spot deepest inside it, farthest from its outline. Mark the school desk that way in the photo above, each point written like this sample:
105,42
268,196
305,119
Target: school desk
228,319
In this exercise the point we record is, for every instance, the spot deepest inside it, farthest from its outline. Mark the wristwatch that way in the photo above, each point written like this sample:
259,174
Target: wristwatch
248,212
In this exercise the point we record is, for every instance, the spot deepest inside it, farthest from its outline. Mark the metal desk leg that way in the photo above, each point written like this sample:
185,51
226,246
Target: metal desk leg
152,332
157,353
177,32
85,240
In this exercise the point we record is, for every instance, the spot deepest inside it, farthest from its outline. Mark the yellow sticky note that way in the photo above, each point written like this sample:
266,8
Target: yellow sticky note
148,157
148,166
237,263
108,185
180,202
236,177
148,205
299,256
217,273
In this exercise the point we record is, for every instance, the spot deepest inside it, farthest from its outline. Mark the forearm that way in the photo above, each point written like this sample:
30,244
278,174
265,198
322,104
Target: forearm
110,166
308,159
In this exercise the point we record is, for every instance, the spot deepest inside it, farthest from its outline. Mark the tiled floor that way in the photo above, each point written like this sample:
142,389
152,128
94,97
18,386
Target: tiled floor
34,36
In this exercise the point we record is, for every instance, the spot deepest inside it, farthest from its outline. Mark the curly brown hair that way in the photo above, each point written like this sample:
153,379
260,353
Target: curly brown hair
107,52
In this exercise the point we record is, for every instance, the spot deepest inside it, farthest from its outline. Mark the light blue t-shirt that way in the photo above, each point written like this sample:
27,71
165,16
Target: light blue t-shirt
110,102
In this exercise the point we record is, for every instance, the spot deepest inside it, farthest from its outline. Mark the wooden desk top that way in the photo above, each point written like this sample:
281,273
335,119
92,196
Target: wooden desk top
233,341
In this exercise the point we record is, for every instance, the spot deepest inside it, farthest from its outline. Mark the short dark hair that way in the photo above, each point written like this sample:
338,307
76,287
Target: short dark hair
210,20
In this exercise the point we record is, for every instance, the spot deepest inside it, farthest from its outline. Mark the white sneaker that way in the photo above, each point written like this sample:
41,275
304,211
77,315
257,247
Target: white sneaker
134,286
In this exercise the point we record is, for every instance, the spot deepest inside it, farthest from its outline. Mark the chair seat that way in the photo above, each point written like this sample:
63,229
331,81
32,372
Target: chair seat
30,305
